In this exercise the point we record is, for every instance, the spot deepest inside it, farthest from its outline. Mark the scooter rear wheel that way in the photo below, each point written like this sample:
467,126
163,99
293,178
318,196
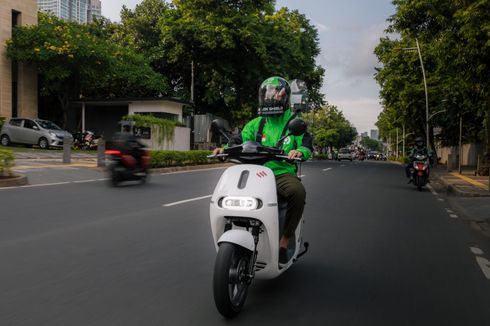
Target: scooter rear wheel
230,283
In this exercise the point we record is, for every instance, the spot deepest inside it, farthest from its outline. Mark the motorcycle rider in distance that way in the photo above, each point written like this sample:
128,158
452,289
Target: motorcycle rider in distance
274,115
419,146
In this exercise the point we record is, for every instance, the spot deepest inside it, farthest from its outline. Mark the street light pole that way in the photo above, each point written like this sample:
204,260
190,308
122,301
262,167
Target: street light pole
426,94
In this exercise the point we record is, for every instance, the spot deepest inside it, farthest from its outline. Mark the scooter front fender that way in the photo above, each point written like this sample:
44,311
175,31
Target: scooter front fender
239,237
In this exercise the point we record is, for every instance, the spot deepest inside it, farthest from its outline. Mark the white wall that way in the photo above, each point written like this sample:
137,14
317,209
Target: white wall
156,106
470,153
180,142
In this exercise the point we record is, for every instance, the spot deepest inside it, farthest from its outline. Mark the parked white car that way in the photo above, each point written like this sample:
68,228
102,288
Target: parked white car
33,132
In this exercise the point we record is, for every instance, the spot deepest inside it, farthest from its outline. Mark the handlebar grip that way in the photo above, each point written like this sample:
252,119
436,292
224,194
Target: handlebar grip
297,159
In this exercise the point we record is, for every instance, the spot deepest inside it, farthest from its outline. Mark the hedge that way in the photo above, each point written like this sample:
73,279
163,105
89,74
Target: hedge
2,121
161,159
6,162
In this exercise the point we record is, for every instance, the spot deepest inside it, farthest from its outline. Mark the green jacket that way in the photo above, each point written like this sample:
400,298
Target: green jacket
270,136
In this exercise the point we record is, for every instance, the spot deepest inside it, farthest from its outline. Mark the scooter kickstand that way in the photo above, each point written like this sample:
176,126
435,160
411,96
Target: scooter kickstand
306,245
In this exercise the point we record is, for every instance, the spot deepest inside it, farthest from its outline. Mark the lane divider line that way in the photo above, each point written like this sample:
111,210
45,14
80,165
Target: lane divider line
453,215
481,261
327,169
476,251
432,190
186,201
189,171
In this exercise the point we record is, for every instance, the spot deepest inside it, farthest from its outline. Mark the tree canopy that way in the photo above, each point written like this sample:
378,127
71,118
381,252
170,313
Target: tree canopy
454,41
330,128
72,62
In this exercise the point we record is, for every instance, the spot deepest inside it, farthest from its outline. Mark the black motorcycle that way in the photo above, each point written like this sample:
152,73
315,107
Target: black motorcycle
420,169
126,167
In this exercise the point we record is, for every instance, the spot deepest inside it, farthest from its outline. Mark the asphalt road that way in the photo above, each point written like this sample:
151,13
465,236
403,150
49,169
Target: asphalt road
382,253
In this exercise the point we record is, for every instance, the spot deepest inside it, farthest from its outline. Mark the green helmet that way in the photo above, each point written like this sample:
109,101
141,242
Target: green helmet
274,96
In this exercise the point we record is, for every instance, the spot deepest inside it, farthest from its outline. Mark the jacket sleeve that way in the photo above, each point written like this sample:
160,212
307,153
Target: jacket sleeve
250,130
305,145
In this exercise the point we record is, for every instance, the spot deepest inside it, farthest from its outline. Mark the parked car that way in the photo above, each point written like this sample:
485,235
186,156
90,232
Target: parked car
345,154
32,132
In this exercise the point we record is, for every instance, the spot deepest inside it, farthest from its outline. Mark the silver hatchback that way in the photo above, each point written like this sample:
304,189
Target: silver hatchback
33,132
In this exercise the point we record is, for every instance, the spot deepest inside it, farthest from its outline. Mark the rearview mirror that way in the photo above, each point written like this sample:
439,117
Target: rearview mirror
297,127
217,126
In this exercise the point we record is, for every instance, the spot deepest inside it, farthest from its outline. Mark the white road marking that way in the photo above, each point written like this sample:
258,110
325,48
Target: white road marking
449,211
103,179
440,199
198,170
53,184
327,169
453,215
46,184
476,251
303,175
342,165
186,201
484,265
432,190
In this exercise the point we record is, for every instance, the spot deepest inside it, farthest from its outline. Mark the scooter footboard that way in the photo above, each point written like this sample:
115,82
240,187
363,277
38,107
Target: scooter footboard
239,237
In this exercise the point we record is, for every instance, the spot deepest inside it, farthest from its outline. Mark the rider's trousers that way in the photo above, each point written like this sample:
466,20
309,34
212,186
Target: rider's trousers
290,187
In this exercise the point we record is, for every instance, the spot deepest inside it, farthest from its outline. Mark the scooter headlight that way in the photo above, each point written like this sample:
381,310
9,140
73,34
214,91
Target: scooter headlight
239,203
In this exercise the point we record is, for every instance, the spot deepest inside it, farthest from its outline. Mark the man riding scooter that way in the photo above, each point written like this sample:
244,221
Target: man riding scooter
271,125
418,148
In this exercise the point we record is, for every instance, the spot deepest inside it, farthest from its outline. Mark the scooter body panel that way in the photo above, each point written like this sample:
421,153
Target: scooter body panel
256,181
240,237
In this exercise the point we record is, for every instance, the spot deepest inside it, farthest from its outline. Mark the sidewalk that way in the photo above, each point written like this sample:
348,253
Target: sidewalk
464,185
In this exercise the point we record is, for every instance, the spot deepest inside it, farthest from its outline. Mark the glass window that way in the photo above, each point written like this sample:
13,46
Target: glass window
48,125
29,124
15,122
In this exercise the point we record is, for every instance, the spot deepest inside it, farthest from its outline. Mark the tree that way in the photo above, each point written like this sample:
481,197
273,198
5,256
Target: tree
72,62
330,128
454,36
371,144
232,46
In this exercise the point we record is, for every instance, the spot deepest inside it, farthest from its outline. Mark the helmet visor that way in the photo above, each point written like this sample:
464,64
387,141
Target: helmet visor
272,99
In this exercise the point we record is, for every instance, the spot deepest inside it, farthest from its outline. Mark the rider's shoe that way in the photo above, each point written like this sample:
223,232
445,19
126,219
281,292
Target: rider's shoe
283,256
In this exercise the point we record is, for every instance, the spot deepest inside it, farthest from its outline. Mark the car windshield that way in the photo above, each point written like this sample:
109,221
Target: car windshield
345,151
48,125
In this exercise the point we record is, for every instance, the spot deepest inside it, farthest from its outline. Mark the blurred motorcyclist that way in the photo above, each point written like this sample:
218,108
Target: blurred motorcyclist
419,147
129,144
274,115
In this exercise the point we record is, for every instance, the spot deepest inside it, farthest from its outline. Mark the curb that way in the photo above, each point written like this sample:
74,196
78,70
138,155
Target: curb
18,180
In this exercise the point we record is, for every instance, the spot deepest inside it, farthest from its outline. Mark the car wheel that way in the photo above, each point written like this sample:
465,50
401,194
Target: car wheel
5,140
43,143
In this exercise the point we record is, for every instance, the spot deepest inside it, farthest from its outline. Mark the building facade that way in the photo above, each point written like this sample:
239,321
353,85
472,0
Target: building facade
18,82
94,10
374,134
73,10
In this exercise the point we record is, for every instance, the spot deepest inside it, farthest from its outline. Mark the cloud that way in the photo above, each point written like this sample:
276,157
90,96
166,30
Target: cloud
363,60
361,112
321,27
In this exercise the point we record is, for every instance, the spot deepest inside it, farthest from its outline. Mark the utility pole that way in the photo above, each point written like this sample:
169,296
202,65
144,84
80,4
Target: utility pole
460,142
396,142
403,143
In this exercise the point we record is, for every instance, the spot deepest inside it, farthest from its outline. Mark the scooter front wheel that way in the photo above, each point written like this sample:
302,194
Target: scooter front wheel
230,283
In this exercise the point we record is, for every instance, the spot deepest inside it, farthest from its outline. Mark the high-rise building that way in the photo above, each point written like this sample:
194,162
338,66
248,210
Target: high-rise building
74,10
94,10
374,134
364,134
18,81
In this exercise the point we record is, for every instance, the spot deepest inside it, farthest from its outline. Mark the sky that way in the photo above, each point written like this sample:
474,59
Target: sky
348,31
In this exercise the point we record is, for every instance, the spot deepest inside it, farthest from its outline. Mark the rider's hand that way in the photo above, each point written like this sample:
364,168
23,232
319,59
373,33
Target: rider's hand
218,150
294,153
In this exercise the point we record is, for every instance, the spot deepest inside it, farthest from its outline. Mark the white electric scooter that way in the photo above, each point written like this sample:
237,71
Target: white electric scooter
246,221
